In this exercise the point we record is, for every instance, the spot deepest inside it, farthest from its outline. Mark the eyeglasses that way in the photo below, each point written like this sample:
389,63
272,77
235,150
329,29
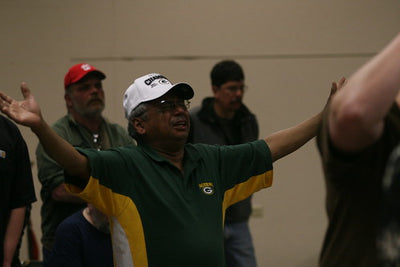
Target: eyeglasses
169,105
235,88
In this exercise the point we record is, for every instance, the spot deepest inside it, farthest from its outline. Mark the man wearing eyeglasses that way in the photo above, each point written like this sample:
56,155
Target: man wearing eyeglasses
83,126
165,198
225,120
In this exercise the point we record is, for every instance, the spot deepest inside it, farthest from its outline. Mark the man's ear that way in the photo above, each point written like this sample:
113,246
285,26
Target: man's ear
215,89
68,100
138,124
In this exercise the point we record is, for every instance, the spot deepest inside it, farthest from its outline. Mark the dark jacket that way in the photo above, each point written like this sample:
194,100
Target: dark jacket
205,128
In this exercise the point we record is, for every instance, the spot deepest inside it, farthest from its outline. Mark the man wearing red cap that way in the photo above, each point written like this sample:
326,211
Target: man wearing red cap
83,126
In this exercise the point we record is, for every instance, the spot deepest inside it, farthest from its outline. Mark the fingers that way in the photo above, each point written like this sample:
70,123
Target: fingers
4,103
334,87
4,100
26,92
337,85
342,81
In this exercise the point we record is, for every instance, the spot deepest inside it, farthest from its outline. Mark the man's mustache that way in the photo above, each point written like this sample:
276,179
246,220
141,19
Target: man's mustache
96,99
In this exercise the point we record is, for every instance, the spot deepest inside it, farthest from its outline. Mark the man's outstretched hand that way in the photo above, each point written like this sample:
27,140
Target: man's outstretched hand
337,86
25,112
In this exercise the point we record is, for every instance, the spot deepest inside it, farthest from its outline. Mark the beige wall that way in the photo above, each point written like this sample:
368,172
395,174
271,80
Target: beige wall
291,51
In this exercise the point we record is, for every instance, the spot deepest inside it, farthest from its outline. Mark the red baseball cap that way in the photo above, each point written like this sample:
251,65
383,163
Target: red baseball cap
78,71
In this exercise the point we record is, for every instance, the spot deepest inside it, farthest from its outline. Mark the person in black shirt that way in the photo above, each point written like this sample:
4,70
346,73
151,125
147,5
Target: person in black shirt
16,191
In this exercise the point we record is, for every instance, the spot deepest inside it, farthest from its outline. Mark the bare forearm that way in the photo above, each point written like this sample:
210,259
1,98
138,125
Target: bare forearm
286,141
13,233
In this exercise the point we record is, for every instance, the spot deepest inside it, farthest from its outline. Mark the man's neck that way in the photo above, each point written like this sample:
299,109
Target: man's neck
174,155
223,113
93,124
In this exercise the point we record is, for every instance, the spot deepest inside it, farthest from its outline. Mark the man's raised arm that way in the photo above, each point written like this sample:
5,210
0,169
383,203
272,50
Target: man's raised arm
27,113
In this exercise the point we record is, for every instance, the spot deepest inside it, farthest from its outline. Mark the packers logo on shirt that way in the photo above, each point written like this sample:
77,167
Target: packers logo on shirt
207,188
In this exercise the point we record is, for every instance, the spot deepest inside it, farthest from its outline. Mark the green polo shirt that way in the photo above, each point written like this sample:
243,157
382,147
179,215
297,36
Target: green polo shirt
161,217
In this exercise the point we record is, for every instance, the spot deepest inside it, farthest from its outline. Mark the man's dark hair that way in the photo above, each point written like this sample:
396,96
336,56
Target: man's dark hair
225,71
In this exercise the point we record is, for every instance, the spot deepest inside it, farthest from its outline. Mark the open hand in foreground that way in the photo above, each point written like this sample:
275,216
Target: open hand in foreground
25,112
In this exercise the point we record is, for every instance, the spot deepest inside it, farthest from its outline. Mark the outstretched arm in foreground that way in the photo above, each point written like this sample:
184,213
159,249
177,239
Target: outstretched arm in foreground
357,112
27,113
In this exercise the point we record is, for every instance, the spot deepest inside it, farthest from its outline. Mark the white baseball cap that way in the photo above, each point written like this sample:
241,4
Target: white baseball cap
150,87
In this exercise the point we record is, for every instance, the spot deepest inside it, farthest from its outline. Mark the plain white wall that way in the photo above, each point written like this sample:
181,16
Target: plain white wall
290,50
